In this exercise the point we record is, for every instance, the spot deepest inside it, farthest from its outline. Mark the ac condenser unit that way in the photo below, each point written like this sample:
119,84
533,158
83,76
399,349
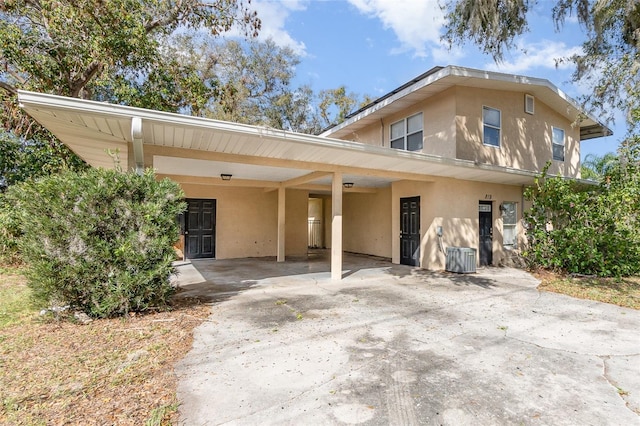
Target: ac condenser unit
461,260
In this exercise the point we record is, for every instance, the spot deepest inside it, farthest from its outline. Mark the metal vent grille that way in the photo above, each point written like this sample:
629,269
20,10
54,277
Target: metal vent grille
461,260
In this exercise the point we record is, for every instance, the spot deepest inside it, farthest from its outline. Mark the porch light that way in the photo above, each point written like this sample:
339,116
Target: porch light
225,176
348,185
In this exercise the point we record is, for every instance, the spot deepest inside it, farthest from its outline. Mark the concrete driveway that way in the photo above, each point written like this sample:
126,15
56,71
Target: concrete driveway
394,345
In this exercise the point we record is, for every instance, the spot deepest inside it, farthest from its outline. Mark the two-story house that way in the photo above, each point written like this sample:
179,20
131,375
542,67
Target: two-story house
440,162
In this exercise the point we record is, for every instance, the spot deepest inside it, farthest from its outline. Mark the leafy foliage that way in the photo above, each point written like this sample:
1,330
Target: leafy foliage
256,88
610,52
597,167
117,51
593,231
100,241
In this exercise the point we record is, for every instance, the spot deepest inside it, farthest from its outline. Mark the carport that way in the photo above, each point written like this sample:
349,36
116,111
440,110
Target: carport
198,151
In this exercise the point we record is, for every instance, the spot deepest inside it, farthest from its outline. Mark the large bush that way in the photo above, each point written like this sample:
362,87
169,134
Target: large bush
9,233
588,230
99,241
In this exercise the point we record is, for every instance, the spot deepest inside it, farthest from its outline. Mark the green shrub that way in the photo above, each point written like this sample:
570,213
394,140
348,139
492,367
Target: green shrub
587,230
99,241
9,233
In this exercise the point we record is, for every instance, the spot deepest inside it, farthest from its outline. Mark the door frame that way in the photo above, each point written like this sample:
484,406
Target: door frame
483,251
414,259
185,230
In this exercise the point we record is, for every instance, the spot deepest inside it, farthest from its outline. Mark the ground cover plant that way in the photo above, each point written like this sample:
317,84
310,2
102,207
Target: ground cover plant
110,371
623,292
98,241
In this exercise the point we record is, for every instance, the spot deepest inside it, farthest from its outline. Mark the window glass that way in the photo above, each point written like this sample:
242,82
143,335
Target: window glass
491,116
414,141
398,143
509,221
558,144
491,136
491,126
414,124
407,134
397,130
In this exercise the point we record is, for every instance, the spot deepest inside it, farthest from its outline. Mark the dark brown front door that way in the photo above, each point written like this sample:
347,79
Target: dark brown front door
200,229
486,233
410,231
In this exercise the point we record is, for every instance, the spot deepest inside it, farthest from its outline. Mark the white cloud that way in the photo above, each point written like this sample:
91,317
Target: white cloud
416,23
273,15
537,55
442,55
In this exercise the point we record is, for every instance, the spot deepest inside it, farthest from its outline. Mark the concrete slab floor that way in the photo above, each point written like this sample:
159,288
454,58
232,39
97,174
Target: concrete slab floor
395,345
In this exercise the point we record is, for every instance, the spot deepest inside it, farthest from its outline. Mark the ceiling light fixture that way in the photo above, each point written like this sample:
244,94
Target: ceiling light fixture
348,185
225,176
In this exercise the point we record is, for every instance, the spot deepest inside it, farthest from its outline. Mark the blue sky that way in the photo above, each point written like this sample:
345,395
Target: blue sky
374,46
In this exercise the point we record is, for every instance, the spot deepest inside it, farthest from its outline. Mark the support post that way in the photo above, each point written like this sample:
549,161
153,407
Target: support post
336,227
281,223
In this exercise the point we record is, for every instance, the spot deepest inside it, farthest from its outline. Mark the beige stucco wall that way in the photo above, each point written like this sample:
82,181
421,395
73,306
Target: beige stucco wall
438,127
453,128
247,220
296,229
452,204
525,138
367,223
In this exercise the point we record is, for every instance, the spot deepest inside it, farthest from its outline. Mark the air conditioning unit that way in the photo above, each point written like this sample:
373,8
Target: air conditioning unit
461,260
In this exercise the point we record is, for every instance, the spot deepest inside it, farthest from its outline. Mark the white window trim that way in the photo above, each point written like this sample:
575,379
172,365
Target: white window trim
564,143
511,225
406,131
493,127
528,98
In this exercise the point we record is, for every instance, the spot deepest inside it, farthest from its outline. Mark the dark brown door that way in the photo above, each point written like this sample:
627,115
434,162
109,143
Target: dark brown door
200,229
486,233
410,231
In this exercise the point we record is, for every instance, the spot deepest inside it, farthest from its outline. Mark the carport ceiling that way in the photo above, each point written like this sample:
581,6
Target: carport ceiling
213,169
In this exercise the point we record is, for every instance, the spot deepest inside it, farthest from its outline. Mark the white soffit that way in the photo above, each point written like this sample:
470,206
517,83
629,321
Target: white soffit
206,168
90,127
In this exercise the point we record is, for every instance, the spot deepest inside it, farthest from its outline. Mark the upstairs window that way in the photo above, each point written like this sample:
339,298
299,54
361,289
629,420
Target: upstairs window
558,144
407,134
491,122
509,222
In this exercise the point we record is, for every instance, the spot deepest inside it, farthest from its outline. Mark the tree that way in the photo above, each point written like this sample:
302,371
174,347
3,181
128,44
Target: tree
117,51
610,52
598,167
256,88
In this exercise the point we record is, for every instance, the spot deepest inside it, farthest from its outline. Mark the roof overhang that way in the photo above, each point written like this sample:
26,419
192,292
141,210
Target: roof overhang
205,148
439,79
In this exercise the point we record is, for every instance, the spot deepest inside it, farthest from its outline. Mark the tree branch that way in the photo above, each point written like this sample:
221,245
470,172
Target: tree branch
79,83
9,88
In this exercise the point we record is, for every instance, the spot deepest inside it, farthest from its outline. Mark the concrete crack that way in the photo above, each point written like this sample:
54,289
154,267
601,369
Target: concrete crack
622,393
564,350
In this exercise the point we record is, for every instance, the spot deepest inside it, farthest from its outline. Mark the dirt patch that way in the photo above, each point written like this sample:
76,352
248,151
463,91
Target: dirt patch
108,372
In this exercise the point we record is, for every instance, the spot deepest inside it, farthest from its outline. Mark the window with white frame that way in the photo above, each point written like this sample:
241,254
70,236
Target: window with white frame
509,222
491,123
558,143
407,134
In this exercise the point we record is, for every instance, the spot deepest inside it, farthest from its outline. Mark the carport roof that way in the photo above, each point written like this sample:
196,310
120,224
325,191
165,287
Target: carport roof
90,128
